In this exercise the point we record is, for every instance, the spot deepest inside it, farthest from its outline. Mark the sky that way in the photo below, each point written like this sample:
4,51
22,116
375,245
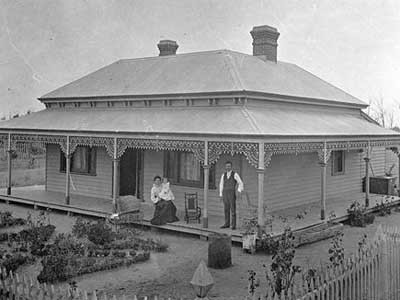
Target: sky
45,44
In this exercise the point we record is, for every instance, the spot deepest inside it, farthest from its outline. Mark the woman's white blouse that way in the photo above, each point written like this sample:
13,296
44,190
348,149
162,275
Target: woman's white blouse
155,191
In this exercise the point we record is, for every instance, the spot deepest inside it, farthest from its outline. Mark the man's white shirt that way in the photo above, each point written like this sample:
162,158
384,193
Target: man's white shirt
228,175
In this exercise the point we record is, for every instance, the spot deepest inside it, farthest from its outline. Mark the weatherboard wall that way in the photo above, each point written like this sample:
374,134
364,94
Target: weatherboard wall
99,185
290,180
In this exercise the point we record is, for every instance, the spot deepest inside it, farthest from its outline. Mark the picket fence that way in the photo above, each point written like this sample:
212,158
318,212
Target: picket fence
15,287
371,274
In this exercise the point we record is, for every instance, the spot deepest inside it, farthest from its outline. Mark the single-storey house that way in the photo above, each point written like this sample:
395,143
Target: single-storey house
294,138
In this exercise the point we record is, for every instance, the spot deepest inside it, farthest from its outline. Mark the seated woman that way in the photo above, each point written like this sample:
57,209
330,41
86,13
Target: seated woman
162,196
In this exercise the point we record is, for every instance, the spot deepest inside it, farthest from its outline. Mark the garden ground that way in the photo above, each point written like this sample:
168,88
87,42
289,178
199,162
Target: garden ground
169,273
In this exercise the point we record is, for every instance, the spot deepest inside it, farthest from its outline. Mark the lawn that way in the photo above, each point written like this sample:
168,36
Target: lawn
169,273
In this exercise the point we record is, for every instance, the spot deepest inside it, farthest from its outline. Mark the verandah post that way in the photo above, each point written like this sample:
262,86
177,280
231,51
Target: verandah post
323,190
9,159
115,176
324,155
398,171
67,172
260,173
367,159
206,181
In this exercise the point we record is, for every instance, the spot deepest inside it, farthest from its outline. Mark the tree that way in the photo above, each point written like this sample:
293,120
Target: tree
382,114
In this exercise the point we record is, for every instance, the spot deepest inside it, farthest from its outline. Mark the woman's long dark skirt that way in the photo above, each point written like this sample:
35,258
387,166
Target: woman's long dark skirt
165,212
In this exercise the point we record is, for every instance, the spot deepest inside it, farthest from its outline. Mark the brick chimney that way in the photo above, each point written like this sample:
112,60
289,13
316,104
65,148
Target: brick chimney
167,47
265,42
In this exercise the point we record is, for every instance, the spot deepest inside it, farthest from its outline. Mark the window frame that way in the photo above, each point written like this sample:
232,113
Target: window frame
334,156
91,158
172,172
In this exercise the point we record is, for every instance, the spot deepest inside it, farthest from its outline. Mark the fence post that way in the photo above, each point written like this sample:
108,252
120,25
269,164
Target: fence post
383,268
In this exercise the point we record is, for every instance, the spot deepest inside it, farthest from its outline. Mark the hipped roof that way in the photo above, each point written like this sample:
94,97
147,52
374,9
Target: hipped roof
202,72
280,121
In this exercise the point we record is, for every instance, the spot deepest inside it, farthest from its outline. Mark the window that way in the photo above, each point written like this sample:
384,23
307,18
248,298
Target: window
337,162
182,168
83,161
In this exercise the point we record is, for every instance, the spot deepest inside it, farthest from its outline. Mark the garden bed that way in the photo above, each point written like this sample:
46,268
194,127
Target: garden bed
17,248
93,247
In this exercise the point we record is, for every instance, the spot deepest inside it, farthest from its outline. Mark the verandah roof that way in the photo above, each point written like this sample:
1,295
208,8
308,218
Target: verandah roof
220,121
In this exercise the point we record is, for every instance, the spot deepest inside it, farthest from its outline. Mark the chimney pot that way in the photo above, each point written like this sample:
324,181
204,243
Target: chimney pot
265,42
167,47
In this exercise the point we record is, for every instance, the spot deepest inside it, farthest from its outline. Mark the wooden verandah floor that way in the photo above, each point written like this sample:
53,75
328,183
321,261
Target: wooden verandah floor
298,217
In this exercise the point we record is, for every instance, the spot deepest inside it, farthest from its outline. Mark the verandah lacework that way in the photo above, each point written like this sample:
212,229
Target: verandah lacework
116,147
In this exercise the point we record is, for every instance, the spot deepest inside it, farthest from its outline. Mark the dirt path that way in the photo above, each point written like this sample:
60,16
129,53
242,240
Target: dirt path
169,274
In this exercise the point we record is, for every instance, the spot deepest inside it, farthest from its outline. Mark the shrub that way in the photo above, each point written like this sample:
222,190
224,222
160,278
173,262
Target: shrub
12,262
98,252
268,244
383,207
81,227
310,277
363,245
250,226
282,270
59,264
6,220
120,254
253,282
358,215
336,250
39,234
39,249
54,269
67,244
3,237
100,234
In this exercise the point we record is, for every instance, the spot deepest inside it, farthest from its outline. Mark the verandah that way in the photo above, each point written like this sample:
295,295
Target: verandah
206,151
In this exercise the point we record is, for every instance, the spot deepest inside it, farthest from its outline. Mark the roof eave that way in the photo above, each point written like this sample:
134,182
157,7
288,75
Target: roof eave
238,93
216,136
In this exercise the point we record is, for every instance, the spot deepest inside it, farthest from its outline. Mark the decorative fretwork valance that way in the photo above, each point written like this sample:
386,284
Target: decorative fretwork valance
197,147
249,150
116,146
91,141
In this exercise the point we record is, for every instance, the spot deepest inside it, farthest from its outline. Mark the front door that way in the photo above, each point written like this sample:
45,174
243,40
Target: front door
130,171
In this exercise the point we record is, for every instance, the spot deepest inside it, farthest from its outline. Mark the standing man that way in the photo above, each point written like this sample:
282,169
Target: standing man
227,192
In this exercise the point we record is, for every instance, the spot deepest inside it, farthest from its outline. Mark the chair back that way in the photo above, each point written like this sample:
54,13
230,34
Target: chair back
191,202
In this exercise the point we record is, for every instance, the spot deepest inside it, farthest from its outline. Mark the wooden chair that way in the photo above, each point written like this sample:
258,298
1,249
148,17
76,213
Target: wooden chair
192,209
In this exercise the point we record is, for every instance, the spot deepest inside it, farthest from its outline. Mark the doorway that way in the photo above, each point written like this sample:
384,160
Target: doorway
130,173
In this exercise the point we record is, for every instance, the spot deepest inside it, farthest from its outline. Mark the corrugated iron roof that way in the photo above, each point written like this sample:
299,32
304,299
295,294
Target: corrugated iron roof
201,72
279,121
